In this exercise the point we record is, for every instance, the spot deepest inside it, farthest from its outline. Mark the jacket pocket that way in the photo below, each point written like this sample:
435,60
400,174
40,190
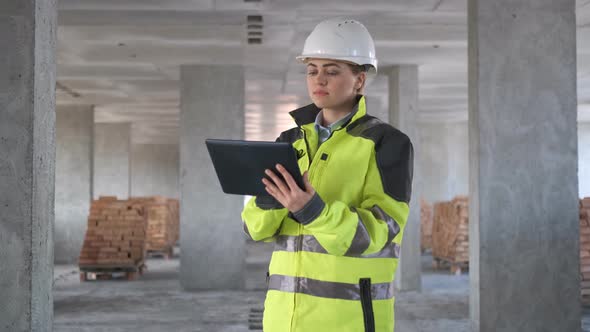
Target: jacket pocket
367,304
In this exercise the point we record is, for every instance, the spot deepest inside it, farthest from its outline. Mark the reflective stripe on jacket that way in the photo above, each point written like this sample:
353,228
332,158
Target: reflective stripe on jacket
335,273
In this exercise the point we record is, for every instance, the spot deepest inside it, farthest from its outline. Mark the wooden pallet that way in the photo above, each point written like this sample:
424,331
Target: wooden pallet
103,272
456,268
167,253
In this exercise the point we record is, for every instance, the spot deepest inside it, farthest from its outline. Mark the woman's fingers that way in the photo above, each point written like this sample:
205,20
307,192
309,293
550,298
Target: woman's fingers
287,192
278,182
288,178
272,189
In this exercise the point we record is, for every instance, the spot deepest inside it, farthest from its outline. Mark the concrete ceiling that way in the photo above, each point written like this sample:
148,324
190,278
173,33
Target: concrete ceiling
123,56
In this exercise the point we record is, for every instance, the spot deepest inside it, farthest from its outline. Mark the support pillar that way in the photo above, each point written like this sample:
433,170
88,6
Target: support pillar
524,223
403,114
73,179
211,238
27,163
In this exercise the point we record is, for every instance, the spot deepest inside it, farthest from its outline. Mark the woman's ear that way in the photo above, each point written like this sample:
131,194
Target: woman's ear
361,78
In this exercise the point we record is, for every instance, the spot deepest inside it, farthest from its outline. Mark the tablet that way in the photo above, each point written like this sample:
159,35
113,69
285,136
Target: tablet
240,164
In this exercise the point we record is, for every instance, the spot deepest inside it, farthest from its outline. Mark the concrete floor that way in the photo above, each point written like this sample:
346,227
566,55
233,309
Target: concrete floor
155,302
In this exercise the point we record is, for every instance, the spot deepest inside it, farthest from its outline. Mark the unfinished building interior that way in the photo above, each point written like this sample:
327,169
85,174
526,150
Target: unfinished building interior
105,107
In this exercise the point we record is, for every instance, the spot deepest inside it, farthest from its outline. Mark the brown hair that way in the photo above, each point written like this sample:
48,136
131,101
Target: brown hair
356,69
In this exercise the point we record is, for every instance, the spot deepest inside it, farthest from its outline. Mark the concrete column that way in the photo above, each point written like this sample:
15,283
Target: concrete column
73,179
154,170
112,145
211,238
584,158
27,163
524,224
403,109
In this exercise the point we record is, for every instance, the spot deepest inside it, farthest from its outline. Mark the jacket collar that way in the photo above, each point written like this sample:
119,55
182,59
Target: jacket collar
307,114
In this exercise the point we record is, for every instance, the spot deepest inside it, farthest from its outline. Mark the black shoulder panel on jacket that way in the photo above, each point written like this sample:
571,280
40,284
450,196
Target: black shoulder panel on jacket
305,114
290,135
363,124
394,153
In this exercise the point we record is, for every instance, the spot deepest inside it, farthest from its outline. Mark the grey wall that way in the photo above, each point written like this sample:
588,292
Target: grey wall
584,158
458,150
112,144
446,163
435,161
73,179
27,163
445,160
377,107
154,170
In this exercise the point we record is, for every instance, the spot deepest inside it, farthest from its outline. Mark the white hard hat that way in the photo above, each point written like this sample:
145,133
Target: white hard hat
341,39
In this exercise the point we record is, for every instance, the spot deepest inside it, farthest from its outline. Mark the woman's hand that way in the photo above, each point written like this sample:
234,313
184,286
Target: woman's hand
289,194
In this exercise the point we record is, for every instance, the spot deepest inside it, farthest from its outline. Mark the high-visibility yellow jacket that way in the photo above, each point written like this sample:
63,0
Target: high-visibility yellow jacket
334,263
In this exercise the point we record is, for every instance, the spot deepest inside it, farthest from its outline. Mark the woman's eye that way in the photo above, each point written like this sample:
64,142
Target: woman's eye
311,73
333,73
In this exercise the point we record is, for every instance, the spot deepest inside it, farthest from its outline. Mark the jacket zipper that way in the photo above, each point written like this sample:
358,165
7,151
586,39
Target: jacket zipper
299,244
322,162
307,147
367,304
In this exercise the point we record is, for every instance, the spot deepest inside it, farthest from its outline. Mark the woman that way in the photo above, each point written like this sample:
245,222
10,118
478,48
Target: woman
337,241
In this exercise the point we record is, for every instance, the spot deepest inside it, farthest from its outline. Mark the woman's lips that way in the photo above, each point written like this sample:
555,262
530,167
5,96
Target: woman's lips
320,93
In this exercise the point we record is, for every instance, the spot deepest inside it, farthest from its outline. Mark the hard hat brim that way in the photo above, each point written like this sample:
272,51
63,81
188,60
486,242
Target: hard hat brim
372,62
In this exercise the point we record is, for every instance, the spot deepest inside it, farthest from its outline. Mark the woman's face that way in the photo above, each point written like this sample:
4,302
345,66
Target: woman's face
331,83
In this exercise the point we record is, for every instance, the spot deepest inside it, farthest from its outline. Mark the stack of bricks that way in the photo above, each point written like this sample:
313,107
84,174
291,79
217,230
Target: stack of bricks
174,206
585,247
426,211
162,230
450,230
116,234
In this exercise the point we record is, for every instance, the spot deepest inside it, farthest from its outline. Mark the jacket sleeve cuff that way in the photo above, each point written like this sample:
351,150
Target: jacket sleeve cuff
310,211
268,203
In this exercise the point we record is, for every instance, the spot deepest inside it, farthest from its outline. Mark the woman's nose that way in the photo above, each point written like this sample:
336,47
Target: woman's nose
321,79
